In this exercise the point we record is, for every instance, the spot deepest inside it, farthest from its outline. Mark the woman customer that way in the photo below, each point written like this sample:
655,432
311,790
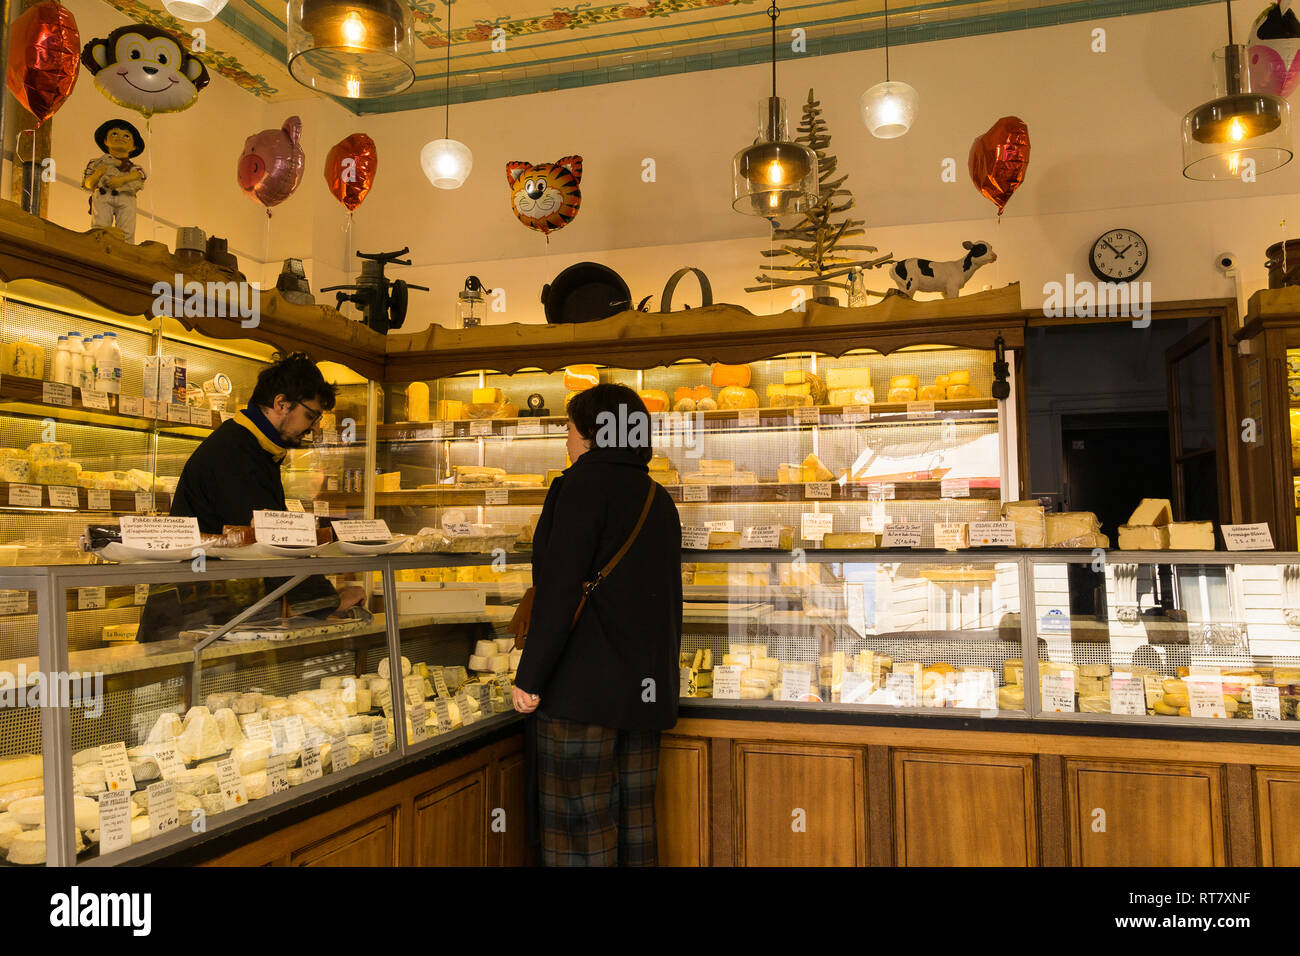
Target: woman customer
605,686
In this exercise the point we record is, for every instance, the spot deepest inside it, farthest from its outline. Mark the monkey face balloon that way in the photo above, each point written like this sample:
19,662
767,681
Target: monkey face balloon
146,69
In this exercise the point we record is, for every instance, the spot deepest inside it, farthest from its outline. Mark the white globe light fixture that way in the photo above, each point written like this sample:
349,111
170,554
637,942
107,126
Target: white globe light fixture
194,11
446,162
888,108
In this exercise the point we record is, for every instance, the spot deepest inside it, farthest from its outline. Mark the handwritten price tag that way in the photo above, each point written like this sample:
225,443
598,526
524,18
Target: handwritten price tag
320,509
726,682
117,770
1265,703
169,760
1127,695
1058,693
815,526
528,427
178,414
992,534
857,413
164,814
419,715
763,536
902,536
901,689
114,821
807,415
747,418
143,501
130,405
56,393
285,528
795,684
695,492
362,531
440,683
159,533
233,794
880,491
92,399
277,774
443,714
496,496
954,488
25,496
1247,537
817,491
90,599
480,428
311,768
294,505
695,538
99,500
920,409
379,738
63,497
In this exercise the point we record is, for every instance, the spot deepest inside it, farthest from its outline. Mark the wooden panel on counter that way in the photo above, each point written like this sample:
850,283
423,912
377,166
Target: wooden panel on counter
1277,798
682,802
1145,814
964,809
509,846
801,805
371,842
451,823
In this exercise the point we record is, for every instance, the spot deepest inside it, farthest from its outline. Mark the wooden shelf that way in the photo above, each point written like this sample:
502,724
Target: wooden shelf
123,502
24,396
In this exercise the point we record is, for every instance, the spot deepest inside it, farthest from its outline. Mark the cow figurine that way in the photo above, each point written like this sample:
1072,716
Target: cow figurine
926,275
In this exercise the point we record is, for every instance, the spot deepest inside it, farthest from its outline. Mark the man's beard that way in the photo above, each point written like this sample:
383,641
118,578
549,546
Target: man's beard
293,442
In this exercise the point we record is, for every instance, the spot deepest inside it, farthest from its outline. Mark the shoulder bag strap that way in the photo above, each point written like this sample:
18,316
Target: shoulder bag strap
604,572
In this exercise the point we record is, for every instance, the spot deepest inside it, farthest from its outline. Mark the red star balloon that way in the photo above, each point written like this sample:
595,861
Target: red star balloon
350,169
998,160
44,57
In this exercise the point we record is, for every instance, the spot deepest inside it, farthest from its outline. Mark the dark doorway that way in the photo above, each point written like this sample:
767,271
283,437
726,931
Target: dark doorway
1112,460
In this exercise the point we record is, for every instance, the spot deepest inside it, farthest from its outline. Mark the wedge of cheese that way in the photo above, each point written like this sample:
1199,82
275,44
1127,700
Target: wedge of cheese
1064,528
1191,536
1152,511
814,470
1030,522
1143,538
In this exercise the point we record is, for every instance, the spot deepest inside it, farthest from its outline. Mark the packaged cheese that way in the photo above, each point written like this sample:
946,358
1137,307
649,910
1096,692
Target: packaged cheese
579,378
23,359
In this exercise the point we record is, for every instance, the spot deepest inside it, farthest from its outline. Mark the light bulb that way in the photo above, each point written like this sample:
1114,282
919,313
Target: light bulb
888,109
354,87
776,174
1236,130
354,31
774,200
446,162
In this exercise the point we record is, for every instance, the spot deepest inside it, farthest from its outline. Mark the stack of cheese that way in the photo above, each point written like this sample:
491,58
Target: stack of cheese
1011,695
761,673
694,399
719,472
489,403
1151,528
724,575
51,463
849,386
797,388
902,388
696,672
810,469
954,385
835,665
662,471
495,657
1093,688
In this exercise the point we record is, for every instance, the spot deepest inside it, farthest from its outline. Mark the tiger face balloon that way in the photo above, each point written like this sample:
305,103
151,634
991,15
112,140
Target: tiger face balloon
545,197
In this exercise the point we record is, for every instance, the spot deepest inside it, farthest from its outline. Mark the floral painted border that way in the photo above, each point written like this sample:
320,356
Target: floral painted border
426,12
223,63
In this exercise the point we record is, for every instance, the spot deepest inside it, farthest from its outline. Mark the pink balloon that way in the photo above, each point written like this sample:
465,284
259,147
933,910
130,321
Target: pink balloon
271,166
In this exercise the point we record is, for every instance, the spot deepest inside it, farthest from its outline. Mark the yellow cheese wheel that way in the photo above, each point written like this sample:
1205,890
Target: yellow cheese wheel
656,400
1173,686
901,394
1176,700
725,375
579,378
1164,709
961,377
417,402
904,381
929,393
961,391
735,396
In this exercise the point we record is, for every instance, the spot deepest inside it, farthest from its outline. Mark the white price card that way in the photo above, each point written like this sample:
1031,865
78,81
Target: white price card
311,768
1127,694
950,537
527,427
320,509
117,770
201,417
695,538
807,415
880,491
285,528
1265,703
747,418
379,738
1057,693
277,774
496,496
900,689
855,687
761,536
726,682
114,821
169,759
992,534
817,491
1153,688
954,488
796,684
178,414
143,501
816,525
93,399
99,500
63,497
90,599
13,602
920,409
25,496
480,428
976,690
1247,537
1205,697
419,715
294,731
130,405
153,409
339,759
440,683
857,413
258,730
294,505
164,814
56,393
721,525
695,492
362,532
443,713
233,794
901,536
159,533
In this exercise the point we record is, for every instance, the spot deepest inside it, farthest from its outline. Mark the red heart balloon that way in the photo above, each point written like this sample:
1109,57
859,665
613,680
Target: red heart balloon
350,169
998,160
44,57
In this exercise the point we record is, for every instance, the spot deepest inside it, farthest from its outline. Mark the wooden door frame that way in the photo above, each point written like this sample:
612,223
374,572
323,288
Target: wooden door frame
1209,336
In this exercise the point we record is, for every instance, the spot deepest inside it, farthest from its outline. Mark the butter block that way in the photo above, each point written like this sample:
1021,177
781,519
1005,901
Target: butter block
844,378
1152,511
1143,538
1191,535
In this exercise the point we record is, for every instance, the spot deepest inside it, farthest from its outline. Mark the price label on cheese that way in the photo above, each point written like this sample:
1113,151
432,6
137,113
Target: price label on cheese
169,760
277,774
726,682
796,684
99,500
159,533
480,428
817,491
63,497
258,730
463,704
233,794
201,417
362,532
311,768
815,525
320,509
285,528
992,534
1247,537
747,418
900,689
954,488
920,409
92,399
294,505
25,496
117,770
1058,693
164,814
130,405
13,602
153,409
114,821
440,683
855,687
857,413
419,715
721,525
143,501
880,491
443,714
762,536
950,537
496,496
178,414
695,538
1127,695
90,599
1153,688
975,690
695,492
339,759
807,415
528,427
56,393
1205,698
1265,703
379,738
899,535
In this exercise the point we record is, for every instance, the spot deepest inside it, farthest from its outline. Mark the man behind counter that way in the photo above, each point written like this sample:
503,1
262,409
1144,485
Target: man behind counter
236,471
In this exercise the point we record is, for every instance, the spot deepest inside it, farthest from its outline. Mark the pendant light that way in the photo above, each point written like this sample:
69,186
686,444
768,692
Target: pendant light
774,177
446,161
888,108
351,48
194,11
1221,135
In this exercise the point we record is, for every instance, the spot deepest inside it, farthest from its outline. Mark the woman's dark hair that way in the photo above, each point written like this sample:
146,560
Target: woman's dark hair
296,377
612,416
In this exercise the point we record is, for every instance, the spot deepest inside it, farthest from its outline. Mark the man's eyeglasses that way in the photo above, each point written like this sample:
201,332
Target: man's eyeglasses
313,414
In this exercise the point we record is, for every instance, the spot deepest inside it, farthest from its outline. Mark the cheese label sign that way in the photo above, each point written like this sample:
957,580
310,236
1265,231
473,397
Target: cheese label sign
528,426
901,689
721,525
695,538
164,814
277,774
992,534
855,687
97,499
1247,537
1153,688
24,496
130,405
91,599
726,682
159,533
762,536
169,760
63,497
143,502
178,414
880,491
1205,698
496,496
311,768
857,413
1058,693
695,492
950,537
13,602
1127,695
339,753
440,683
233,794
258,730
294,505
954,488
480,428
795,684
294,731
93,399
817,491
1266,703
816,525
201,417
902,536
419,715
117,769
114,821
807,415
285,528
920,409
362,532
56,393
747,418
379,738
320,509
443,714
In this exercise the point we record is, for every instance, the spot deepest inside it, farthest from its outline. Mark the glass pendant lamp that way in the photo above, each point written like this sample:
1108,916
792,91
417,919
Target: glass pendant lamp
351,48
446,162
888,108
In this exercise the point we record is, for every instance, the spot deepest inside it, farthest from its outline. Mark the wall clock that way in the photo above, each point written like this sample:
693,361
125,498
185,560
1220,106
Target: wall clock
1119,255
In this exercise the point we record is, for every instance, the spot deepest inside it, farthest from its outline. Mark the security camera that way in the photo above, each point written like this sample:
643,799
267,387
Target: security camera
1225,262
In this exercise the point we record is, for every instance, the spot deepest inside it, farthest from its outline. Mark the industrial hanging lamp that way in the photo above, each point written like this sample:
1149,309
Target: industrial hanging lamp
1238,131
446,161
888,108
351,48
774,177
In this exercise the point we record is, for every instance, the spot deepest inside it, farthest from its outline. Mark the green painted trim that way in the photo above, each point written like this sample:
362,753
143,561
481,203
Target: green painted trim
270,44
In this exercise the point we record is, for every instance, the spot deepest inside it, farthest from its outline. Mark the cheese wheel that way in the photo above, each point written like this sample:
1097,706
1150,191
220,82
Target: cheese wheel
1174,686
417,402
959,377
1164,709
904,381
901,394
656,399
1176,700
383,668
683,393
28,847
736,396
479,663
730,375
579,378
961,391
929,393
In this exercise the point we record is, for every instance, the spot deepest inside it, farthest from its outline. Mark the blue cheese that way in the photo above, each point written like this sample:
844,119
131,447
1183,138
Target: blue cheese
50,451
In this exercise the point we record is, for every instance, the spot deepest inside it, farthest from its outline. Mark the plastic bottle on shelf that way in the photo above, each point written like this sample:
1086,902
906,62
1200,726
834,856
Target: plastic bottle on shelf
61,369
88,364
108,365
76,356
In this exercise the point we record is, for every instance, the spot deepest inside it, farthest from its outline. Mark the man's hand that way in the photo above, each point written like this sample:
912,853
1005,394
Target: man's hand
524,702
348,598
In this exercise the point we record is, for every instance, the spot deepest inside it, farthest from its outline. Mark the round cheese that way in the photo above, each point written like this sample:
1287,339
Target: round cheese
21,789
485,648
9,828
383,668
505,645
479,663
28,848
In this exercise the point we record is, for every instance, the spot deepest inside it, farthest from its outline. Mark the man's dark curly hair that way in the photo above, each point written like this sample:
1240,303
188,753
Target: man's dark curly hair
296,377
